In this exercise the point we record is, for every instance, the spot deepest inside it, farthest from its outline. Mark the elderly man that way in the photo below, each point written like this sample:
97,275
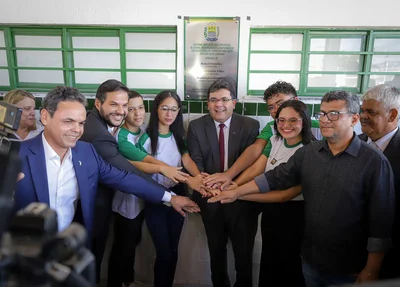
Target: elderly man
379,122
348,193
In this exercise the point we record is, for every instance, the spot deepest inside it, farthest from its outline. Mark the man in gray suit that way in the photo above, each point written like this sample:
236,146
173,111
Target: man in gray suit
379,123
215,141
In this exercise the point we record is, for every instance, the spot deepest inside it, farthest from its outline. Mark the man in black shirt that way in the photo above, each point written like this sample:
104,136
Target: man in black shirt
349,197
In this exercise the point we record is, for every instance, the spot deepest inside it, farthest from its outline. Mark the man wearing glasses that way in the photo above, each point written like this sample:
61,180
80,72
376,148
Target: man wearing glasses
275,95
348,193
215,141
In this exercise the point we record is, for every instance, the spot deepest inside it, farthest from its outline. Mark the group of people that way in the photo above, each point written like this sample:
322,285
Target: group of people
327,196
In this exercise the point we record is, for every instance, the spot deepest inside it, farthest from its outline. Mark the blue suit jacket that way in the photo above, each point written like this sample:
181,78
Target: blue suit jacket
90,169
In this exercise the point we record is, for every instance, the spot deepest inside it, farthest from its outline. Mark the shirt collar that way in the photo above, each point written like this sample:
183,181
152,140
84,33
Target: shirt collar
110,129
28,136
227,123
353,149
383,142
49,152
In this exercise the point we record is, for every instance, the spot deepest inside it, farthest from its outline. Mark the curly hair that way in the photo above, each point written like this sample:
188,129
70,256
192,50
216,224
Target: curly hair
279,87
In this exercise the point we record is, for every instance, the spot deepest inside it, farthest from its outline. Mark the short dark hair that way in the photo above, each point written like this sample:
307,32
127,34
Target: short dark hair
62,94
352,101
110,86
223,83
279,87
133,94
302,109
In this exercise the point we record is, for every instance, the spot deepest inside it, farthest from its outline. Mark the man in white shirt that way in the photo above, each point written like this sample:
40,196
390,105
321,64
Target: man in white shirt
62,171
379,119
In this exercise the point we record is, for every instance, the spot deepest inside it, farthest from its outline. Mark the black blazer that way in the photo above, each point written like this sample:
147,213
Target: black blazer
392,152
203,146
106,146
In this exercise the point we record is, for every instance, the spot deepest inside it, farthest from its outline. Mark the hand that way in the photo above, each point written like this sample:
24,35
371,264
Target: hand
367,276
231,186
218,178
174,173
212,191
204,175
182,204
226,196
196,183
20,176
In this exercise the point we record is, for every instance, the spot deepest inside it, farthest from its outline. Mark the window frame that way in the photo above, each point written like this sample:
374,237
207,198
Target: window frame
7,57
66,33
366,53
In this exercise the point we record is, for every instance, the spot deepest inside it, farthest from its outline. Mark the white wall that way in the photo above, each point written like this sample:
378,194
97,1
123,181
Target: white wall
281,13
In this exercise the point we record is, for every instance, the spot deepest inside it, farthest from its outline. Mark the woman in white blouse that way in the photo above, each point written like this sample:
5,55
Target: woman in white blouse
26,101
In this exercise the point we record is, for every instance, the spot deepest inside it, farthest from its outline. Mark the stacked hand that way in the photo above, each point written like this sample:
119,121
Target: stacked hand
182,204
217,180
174,173
197,183
228,195
210,186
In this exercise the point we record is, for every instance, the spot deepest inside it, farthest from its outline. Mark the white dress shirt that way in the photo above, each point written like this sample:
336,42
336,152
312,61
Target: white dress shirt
383,142
62,183
226,139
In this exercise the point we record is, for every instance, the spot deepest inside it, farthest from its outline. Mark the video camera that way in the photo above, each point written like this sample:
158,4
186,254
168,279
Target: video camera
10,116
32,253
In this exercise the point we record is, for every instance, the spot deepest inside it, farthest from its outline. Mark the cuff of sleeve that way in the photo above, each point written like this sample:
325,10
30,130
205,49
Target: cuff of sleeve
379,244
262,183
166,197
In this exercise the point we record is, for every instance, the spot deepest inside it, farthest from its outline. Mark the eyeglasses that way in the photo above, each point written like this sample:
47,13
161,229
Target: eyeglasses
166,109
223,100
332,116
283,121
272,107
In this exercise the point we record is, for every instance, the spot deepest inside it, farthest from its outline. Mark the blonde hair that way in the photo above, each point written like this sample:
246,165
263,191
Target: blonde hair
15,96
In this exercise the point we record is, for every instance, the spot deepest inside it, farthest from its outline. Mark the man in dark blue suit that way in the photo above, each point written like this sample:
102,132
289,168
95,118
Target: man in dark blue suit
64,173
379,119
215,141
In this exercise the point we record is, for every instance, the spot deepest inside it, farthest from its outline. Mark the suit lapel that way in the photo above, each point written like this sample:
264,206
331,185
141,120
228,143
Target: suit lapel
37,165
234,139
392,147
212,139
82,179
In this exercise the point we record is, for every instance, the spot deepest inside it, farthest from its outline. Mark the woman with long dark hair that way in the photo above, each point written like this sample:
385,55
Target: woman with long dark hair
282,220
165,141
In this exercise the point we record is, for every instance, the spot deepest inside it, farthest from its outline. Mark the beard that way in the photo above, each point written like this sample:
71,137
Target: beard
108,120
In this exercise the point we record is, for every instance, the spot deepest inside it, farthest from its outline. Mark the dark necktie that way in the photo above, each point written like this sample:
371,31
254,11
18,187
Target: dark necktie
221,147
